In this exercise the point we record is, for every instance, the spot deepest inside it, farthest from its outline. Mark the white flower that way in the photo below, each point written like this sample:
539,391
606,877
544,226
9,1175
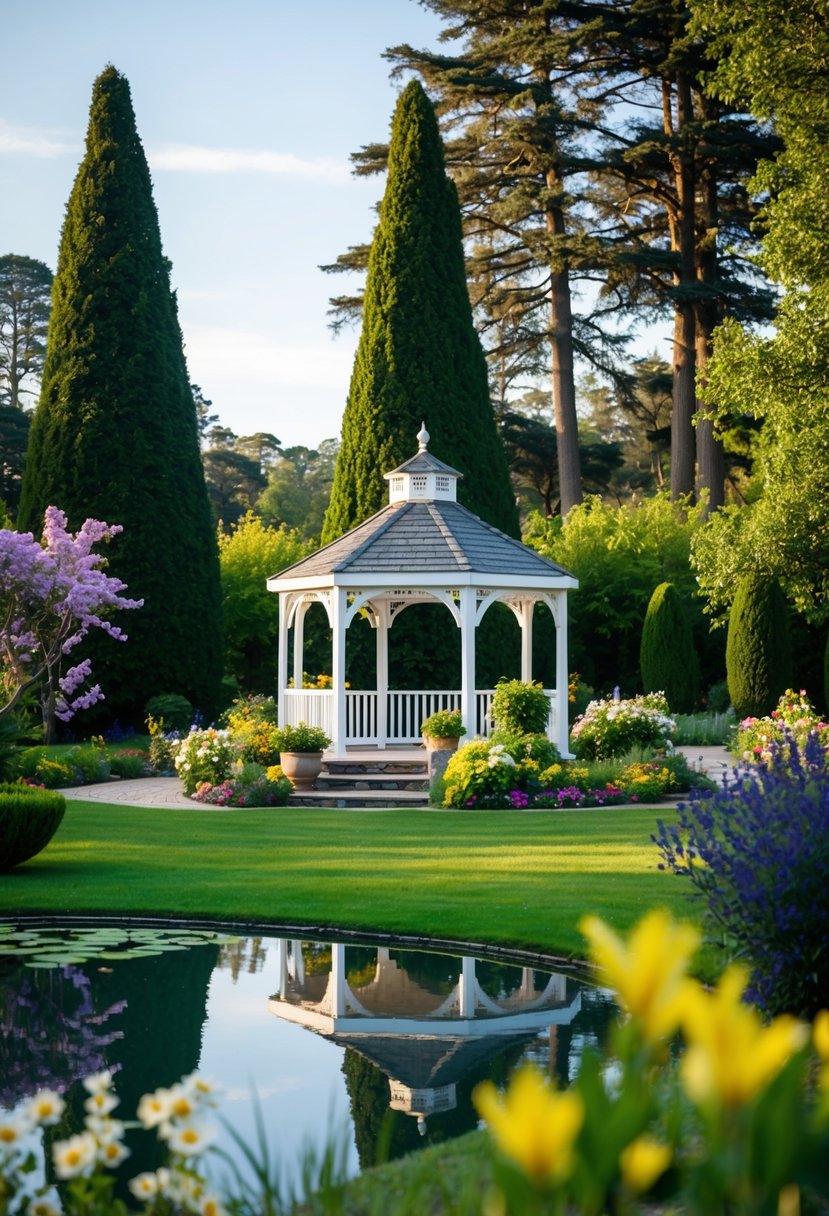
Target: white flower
183,1188
190,1139
112,1152
104,1128
98,1082
46,1107
12,1130
73,1156
42,1207
154,1108
210,1206
100,1103
183,1102
144,1186
204,1089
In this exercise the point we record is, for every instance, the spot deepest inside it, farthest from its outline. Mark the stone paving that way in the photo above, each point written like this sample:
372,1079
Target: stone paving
167,792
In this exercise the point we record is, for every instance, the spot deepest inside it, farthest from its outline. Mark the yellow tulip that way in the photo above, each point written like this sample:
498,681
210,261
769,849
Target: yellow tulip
642,1162
648,972
731,1056
820,1035
532,1124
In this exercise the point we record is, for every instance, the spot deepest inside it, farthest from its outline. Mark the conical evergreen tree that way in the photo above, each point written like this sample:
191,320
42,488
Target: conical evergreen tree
667,658
419,358
114,435
758,655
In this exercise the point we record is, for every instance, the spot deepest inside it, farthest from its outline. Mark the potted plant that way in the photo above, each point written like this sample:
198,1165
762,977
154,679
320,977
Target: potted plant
300,752
441,731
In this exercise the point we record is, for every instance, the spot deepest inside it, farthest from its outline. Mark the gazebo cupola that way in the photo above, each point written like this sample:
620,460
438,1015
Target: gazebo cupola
423,477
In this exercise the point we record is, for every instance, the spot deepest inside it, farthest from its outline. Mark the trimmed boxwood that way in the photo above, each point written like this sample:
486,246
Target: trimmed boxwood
29,818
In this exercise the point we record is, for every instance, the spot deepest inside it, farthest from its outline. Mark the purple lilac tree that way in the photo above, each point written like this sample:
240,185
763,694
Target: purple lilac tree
52,592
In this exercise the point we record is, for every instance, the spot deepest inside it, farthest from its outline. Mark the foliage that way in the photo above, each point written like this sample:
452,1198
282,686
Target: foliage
29,818
248,785
252,724
418,357
162,749
667,658
619,554
519,707
444,724
794,718
299,487
204,755
172,710
646,782
129,763
51,595
25,303
610,728
301,738
757,852
703,729
114,435
84,765
478,771
758,651
773,55
248,555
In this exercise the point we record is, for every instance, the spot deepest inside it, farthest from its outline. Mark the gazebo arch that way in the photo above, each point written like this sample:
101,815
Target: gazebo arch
424,547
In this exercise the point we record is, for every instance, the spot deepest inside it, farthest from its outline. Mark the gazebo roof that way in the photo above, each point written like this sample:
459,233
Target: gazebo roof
424,537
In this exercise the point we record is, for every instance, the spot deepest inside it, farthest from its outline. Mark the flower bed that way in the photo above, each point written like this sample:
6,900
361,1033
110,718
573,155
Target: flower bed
612,728
794,720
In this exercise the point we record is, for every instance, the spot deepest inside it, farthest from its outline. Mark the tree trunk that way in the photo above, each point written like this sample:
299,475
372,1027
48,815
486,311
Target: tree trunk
564,384
682,242
710,456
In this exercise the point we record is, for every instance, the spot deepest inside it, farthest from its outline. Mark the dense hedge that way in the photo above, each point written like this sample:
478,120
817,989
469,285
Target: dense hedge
29,818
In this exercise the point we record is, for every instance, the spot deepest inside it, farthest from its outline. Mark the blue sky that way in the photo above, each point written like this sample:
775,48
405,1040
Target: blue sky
248,113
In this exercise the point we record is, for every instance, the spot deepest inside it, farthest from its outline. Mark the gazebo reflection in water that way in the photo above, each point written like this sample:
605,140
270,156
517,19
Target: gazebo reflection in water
425,1020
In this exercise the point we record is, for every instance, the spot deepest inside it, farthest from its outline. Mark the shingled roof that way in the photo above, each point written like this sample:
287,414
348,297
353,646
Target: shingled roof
424,536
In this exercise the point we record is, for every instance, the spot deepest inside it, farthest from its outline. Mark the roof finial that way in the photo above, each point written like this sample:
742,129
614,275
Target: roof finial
422,438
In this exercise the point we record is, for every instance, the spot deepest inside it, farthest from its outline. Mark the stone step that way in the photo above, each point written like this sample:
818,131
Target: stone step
371,799
375,767
366,781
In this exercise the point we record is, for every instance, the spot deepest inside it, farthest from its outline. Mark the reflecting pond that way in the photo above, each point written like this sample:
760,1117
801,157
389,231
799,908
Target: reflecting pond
387,1042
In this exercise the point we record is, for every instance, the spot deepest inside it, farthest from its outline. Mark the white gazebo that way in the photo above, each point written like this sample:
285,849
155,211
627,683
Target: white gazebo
424,547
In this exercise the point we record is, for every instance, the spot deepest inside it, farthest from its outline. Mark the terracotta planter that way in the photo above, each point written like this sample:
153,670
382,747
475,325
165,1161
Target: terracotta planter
446,743
302,768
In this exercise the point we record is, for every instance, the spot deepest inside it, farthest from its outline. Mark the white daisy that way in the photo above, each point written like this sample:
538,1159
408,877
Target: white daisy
73,1156
46,1107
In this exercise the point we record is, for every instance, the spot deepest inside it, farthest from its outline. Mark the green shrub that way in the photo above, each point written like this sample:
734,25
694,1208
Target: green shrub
611,728
129,762
704,729
478,771
173,711
444,724
535,747
758,652
520,708
91,764
301,738
667,657
29,818
35,764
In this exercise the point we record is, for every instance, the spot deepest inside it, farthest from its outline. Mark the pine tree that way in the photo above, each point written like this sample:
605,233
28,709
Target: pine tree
114,435
758,651
419,358
667,657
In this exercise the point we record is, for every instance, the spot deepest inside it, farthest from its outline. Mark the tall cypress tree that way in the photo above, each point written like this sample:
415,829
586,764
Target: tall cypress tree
114,435
419,358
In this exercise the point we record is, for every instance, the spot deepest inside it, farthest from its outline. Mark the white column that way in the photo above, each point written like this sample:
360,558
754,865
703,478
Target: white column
299,642
282,656
338,610
468,608
466,985
338,980
527,640
562,676
281,967
381,642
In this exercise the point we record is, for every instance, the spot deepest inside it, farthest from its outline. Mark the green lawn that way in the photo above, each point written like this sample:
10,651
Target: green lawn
498,877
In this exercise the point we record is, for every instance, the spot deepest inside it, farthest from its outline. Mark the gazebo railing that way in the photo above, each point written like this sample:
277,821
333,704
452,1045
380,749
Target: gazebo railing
405,710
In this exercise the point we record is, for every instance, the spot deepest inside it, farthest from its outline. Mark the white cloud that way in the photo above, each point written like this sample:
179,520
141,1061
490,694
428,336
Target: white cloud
29,141
190,158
